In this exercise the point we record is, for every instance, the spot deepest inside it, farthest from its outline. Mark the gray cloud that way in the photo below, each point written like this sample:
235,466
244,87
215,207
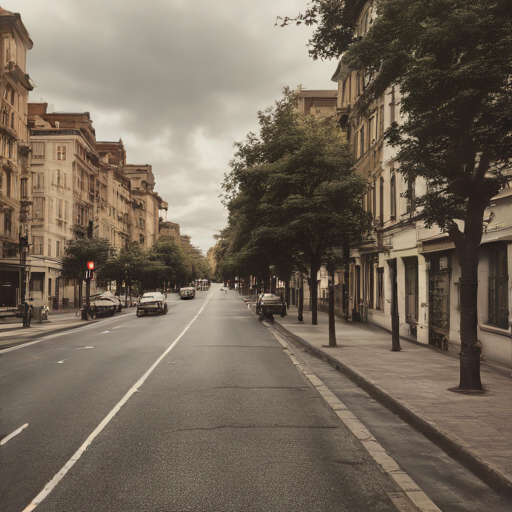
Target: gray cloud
178,80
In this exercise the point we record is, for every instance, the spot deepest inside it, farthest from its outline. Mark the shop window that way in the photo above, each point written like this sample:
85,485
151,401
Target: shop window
498,287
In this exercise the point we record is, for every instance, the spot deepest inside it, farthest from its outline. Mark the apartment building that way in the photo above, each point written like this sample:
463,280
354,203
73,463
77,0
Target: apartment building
15,86
402,260
77,180
146,203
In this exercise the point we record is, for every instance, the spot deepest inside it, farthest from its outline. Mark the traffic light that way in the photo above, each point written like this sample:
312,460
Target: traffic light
90,270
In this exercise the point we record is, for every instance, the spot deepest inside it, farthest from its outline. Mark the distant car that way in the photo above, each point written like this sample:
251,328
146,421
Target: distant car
152,302
154,295
270,303
188,292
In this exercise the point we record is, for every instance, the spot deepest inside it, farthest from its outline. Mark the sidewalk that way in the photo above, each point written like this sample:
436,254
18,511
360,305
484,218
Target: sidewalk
13,333
415,383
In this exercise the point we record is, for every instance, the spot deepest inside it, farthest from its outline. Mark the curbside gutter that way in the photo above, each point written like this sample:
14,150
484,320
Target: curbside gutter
452,447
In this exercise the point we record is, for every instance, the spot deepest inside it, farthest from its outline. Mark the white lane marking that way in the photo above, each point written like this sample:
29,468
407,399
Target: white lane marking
118,327
408,488
60,362
15,433
82,348
104,332
48,488
17,347
57,335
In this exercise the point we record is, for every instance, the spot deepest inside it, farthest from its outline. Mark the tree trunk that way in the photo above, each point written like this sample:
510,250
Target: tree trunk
395,320
470,349
332,323
313,289
300,307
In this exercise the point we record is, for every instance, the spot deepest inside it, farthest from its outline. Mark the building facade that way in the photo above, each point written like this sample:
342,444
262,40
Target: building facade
404,261
78,181
15,86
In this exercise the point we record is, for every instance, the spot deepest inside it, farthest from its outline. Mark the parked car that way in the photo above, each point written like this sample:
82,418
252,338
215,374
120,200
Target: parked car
270,303
102,306
188,292
153,302
113,298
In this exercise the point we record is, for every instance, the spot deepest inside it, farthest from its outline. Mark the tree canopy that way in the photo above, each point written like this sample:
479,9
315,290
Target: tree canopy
452,63
292,194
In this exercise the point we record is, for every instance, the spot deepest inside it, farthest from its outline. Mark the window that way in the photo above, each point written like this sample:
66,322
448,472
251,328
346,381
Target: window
38,180
59,208
49,246
24,188
392,195
57,249
142,224
7,222
38,207
498,287
381,201
411,197
361,141
141,239
374,200
61,152
8,184
392,113
59,179
37,244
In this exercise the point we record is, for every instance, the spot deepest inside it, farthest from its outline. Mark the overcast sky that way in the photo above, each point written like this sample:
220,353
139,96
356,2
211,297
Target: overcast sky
179,81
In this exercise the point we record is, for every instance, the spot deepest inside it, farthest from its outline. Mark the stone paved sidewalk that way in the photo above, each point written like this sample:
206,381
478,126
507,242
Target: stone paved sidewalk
415,383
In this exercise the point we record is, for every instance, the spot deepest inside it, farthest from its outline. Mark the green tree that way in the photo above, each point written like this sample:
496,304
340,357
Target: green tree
168,250
295,189
452,60
84,247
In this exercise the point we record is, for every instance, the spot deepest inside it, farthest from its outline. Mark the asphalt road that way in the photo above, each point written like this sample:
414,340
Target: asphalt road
197,410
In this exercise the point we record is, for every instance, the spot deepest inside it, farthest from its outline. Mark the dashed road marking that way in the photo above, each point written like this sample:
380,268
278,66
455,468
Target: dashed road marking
15,433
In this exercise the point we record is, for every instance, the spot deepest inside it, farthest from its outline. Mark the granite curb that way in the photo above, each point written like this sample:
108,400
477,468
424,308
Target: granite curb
451,446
